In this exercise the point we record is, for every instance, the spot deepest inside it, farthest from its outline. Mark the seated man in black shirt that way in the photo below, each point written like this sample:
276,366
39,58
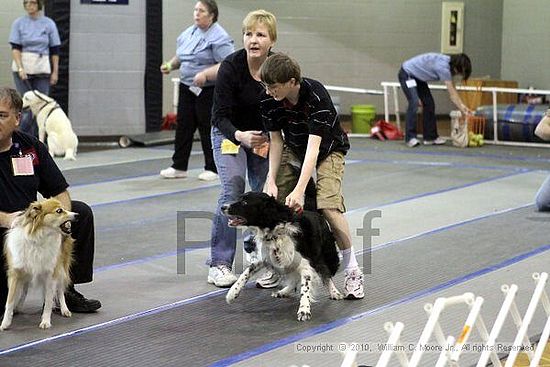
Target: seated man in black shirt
315,142
17,191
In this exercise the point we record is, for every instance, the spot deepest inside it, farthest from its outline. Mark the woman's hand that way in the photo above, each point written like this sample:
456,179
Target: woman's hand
200,79
22,74
251,138
166,67
54,78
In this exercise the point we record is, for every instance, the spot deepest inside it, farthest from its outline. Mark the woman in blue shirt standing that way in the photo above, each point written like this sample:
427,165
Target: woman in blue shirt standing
35,46
200,49
414,76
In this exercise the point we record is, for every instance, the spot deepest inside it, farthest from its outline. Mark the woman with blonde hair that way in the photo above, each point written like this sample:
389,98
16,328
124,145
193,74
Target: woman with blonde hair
237,131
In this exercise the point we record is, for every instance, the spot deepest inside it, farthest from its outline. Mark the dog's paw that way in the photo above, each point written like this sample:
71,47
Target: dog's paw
45,324
4,327
66,313
304,315
231,295
279,294
336,295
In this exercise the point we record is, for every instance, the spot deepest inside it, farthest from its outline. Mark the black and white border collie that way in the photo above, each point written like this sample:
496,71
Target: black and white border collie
299,247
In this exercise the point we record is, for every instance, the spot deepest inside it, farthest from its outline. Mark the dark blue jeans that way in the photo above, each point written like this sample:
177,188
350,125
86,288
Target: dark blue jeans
420,92
40,83
232,169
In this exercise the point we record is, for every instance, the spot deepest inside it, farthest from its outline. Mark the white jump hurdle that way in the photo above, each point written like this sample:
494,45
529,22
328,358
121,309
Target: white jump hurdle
451,347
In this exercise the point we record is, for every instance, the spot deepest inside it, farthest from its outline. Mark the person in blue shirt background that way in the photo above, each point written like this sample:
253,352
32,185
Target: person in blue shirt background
200,49
414,76
35,46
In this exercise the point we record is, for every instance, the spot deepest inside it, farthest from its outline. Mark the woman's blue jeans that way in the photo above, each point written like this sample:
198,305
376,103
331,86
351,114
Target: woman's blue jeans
420,92
232,170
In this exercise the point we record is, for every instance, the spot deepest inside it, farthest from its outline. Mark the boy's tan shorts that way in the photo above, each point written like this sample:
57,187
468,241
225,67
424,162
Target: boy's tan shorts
330,173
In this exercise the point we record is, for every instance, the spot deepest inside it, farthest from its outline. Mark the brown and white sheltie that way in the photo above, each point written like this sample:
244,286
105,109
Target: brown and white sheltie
38,247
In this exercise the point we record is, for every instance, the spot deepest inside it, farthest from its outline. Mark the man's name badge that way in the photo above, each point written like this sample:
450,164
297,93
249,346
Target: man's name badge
229,148
22,166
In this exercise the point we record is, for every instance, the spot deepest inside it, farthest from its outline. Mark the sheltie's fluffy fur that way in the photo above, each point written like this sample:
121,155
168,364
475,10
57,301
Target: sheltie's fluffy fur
299,247
38,247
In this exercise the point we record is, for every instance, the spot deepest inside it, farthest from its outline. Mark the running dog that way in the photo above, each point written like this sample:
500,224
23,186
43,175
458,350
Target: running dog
299,247
38,247
53,123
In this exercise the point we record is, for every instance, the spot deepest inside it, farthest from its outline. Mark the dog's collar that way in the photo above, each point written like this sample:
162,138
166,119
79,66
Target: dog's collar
53,109
49,113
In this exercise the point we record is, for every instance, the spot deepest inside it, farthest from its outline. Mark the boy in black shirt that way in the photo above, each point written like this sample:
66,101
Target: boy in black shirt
19,189
313,140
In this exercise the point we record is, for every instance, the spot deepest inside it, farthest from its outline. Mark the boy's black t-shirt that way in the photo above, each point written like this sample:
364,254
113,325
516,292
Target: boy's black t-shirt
17,192
314,114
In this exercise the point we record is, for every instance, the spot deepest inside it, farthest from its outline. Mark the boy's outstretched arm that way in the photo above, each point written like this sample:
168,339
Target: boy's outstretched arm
295,199
275,153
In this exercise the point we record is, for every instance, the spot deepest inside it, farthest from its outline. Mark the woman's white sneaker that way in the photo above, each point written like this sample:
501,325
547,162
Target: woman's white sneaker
171,172
221,276
208,176
438,141
413,143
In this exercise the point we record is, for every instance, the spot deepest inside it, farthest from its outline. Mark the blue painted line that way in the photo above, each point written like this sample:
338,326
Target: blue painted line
348,162
458,153
414,197
442,228
143,260
153,196
120,320
209,295
344,321
206,187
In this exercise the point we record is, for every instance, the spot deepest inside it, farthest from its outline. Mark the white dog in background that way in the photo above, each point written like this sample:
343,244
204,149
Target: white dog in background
53,123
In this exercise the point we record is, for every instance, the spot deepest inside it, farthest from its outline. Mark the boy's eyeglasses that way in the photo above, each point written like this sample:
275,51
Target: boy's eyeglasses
270,87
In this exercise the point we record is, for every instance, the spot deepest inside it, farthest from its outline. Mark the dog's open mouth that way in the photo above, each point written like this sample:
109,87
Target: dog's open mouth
66,227
236,221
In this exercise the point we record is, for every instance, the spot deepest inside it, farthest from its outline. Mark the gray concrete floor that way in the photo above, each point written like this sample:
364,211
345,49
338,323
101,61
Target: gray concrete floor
460,198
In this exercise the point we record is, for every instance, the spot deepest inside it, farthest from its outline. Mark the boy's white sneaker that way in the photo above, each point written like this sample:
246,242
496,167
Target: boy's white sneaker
353,284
